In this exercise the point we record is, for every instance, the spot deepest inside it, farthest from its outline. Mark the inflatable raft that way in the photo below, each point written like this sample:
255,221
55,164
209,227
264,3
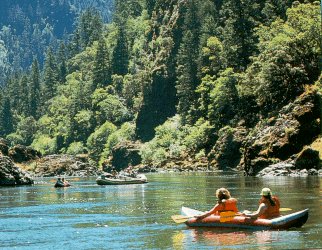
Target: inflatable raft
121,180
58,184
296,219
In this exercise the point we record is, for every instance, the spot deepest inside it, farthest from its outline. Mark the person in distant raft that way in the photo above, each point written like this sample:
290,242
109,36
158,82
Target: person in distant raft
269,206
225,203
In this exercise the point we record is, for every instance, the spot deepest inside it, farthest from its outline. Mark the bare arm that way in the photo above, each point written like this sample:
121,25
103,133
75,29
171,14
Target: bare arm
261,209
208,213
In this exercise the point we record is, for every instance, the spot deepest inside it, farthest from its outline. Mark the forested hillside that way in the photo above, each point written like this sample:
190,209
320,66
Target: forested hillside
27,28
173,76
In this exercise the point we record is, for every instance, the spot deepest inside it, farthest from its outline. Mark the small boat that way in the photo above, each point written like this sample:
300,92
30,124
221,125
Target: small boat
121,180
60,184
296,219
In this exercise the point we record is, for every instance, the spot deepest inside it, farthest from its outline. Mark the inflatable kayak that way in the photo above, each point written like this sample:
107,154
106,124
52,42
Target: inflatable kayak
122,180
296,219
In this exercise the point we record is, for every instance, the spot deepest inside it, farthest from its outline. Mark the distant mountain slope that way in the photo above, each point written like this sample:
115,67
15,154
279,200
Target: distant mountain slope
58,13
28,27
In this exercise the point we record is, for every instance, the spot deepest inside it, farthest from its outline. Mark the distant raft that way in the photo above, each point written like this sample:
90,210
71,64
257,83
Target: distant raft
121,180
60,184
296,219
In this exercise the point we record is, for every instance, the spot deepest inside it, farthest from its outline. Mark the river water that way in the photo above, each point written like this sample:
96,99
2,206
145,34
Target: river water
88,216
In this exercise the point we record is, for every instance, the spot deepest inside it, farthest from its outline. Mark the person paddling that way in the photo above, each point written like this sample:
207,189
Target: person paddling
225,203
59,183
66,183
269,206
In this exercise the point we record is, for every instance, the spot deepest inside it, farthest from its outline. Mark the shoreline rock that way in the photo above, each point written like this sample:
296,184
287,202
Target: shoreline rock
11,175
62,165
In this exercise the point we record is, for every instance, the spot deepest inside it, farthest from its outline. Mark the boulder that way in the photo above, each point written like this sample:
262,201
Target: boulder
278,169
11,175
20,153
308,158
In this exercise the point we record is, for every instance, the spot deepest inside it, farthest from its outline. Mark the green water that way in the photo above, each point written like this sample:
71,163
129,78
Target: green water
88,216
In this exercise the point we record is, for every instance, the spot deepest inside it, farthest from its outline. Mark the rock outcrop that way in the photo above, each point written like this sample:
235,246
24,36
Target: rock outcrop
226,153
123,154
11,175
68,165
285,135
4,147
20,153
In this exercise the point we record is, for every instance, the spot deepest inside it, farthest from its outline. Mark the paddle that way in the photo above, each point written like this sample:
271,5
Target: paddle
180,218
227,216
224,216
285,209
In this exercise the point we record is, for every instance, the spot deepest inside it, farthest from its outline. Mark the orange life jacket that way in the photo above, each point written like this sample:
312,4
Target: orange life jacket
227,205
271,211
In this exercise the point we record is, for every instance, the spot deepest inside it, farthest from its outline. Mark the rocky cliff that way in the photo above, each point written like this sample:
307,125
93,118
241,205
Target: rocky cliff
285,138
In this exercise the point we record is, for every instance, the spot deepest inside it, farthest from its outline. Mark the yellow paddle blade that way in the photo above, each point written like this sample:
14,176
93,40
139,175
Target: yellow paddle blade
285,209
227,216
180,218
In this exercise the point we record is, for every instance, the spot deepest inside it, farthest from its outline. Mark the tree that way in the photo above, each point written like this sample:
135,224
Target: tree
150,4
50,79
102,69
23,90
187,64
120,57
238,36
34,90
62,66
223,99
6,118
288,59
90,27
97,139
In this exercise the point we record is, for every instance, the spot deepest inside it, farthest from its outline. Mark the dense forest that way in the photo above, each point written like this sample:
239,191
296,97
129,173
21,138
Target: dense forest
171,75
27,28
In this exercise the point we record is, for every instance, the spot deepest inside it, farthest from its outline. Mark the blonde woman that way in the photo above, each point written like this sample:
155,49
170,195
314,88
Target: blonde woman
224,203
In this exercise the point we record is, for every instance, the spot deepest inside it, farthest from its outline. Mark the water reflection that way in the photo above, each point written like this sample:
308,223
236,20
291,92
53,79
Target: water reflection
227,239
217,238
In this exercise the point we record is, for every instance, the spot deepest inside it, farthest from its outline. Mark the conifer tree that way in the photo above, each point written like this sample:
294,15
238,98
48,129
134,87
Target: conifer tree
120,58
50,79
209,21
62,66
23,95
12,91
6,118
150,6
90,27
187,63
102,69
239,38
34,90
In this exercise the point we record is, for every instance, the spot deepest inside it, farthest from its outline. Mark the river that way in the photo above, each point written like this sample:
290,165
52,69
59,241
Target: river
88,216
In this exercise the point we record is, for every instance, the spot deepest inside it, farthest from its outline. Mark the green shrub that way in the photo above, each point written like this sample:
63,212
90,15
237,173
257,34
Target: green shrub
97,140
45,144
76,148
126,132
